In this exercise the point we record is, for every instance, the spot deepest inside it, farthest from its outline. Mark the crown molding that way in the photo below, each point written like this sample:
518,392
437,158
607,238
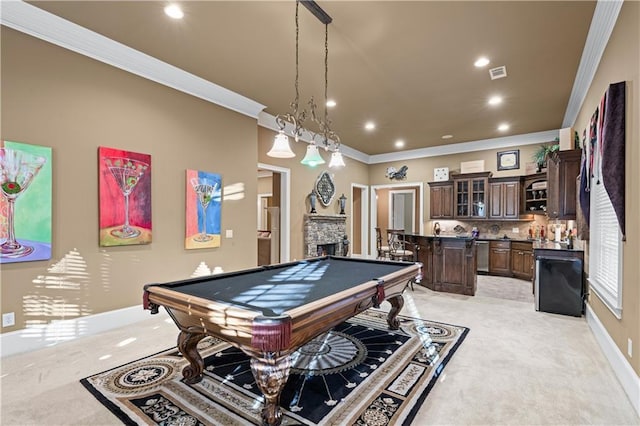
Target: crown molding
604,20
51,28
480,145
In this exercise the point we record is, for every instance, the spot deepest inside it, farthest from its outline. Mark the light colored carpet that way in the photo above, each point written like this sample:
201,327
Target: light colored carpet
516,367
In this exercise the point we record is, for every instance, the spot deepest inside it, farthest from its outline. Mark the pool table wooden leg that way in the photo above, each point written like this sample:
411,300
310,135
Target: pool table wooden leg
397,302
188,346
271,373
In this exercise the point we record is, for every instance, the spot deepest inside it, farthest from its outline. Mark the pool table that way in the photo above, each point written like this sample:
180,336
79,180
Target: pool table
271,311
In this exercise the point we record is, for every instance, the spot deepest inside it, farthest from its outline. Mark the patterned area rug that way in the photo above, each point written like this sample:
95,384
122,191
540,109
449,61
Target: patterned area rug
360,373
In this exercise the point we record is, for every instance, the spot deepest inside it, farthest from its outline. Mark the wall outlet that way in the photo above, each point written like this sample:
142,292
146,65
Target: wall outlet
630,348
229,233
515,230
8,319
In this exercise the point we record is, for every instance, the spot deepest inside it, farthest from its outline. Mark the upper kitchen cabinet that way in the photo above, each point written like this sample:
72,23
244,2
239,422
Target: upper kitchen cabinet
441,199
504,200
535,193
471,195
562,169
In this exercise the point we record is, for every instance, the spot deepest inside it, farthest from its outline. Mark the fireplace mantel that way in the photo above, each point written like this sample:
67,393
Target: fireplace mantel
320,217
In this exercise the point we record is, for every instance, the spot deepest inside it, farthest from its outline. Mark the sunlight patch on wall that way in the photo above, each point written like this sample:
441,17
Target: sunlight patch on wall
235,191
58,296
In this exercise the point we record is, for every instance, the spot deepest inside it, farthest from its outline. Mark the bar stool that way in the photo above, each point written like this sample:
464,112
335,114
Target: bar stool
383,251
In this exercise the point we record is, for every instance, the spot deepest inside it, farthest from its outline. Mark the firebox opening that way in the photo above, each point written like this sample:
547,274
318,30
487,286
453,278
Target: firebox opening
327,249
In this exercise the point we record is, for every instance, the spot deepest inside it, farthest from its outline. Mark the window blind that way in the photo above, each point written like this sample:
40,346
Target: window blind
605,249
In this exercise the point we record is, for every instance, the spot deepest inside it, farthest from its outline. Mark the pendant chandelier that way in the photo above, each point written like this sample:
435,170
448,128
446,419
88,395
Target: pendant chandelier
324,137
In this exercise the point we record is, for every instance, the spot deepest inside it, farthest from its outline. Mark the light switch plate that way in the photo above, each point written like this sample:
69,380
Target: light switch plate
229,233
440,174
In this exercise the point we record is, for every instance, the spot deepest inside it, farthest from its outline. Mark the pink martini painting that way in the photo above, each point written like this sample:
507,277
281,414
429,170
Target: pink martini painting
25,203
125,197
204,192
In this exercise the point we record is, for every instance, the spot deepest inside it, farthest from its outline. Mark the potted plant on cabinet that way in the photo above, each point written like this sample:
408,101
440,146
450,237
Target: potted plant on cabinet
541,155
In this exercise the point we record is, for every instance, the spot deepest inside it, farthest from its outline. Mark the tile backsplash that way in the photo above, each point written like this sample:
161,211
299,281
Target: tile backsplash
496,229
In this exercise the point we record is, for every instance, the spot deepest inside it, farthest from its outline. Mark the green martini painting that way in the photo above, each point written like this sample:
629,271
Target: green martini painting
25,202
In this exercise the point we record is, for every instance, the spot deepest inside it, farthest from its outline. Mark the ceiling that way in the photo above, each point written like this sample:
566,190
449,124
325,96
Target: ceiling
407,66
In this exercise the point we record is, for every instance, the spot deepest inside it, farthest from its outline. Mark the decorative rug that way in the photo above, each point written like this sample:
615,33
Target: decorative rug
359,373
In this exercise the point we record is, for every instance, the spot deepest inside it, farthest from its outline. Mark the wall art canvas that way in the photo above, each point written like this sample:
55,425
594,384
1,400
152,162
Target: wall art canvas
203,207
25,203
125,197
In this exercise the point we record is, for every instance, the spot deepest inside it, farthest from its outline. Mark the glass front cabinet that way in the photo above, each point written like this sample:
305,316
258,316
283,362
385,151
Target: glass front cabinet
471,195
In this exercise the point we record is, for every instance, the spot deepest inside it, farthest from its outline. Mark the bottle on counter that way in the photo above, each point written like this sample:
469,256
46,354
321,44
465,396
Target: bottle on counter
531,232
542,233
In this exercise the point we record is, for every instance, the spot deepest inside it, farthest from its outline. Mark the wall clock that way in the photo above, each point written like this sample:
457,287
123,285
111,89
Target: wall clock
440,174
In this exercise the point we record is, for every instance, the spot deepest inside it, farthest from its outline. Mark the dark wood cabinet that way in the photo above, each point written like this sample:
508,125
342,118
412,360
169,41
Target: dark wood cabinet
441,199
471,195
562,169
534,194
500,258
522,260
504,202
449,264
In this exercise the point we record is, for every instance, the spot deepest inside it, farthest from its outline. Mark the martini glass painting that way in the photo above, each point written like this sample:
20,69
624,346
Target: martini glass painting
205,189
17,171
127,173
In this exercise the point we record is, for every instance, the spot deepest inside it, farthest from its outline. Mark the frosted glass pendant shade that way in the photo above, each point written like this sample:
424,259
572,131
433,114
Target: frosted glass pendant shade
281,148
336,160
312,158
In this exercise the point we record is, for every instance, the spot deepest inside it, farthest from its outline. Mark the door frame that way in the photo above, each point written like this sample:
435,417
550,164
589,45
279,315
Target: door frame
364,217
374,208
285,209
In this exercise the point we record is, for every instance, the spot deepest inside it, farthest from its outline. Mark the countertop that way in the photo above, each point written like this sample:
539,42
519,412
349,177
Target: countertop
536,245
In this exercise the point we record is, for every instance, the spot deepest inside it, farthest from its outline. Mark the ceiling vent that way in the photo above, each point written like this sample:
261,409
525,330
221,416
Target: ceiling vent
498,72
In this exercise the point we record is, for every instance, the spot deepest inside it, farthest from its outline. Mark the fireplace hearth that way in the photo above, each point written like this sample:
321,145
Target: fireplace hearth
323,234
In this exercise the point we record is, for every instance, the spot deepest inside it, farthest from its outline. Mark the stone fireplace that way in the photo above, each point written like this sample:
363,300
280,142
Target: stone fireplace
321,231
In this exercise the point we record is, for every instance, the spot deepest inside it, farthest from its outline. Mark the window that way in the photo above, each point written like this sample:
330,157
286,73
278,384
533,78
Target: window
605,250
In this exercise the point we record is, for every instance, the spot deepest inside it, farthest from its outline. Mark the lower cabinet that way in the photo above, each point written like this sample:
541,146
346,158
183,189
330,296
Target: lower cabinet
500,258
522,260
448,264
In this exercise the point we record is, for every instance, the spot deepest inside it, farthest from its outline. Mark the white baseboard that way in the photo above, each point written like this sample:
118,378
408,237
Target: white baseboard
42,336
624,372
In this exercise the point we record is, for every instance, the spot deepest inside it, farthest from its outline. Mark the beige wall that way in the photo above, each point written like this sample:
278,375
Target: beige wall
421,170
620,62
303,179
56,98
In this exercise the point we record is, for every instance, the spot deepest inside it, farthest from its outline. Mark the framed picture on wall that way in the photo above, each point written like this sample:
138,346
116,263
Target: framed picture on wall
509,160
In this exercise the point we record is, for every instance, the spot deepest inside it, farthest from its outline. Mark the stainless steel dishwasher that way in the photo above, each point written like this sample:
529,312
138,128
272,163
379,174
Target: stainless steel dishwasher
483,256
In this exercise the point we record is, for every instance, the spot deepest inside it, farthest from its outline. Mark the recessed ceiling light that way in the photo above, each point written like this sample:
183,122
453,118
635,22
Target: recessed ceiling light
503,127
331,103
369,125
399,143
174,11
447,136
495,100
481,62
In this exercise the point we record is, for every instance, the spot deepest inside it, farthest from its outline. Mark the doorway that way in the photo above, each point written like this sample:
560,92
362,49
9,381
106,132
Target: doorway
359,220
278,215
381,200
402,211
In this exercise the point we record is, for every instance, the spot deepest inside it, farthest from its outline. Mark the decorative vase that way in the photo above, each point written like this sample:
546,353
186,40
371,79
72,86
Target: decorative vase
312,202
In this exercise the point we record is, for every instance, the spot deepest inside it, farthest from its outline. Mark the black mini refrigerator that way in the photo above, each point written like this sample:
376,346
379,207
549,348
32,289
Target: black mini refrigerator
558,286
